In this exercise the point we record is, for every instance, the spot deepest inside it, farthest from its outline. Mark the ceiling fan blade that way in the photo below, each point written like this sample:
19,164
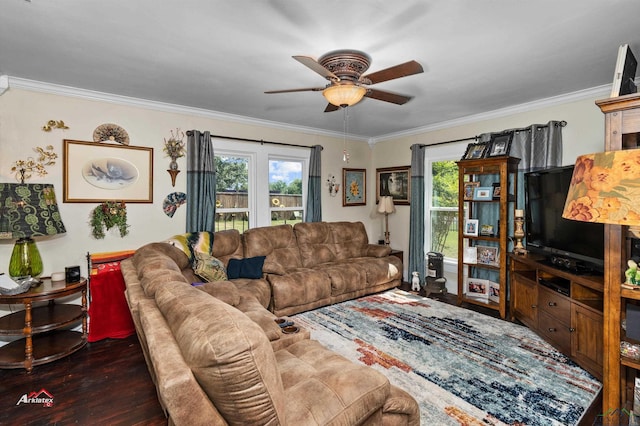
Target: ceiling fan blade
402,70
314,65
382,95
331,108
305,89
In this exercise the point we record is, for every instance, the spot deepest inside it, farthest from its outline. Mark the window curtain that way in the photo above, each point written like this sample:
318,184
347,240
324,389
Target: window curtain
416,211
314,205
201,182
538,146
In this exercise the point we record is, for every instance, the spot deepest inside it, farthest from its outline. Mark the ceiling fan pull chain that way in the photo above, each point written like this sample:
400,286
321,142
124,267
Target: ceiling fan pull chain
345,153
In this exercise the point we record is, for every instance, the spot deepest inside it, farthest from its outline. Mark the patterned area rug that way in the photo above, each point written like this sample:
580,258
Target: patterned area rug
461,366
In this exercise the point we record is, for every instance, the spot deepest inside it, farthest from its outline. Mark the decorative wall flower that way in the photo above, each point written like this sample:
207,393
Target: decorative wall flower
106,216
24,169
175,147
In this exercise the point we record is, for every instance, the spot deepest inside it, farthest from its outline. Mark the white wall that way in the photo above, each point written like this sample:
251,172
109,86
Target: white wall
23,112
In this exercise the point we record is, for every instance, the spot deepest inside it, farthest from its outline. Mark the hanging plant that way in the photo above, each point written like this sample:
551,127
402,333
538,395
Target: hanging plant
106,216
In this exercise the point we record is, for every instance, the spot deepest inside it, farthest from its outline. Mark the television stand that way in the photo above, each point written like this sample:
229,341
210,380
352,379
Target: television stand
563,307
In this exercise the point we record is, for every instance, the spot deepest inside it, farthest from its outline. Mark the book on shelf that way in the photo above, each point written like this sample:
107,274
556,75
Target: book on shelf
625,72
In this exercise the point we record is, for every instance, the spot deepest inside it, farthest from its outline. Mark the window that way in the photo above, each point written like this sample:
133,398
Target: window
285,191
441,199
259,185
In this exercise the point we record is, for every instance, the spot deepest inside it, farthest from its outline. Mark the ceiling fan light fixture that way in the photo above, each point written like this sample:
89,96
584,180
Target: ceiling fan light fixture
344,94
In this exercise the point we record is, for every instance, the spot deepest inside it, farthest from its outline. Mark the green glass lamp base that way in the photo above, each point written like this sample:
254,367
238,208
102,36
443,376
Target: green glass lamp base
25,259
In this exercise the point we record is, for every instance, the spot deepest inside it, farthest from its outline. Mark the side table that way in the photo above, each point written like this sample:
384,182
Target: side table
41,327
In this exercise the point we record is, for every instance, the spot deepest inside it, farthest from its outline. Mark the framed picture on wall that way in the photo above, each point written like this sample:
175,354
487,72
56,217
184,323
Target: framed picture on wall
354,190
95,172
396,182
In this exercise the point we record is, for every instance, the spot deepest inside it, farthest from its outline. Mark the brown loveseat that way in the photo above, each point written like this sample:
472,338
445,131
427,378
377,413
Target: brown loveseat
217,356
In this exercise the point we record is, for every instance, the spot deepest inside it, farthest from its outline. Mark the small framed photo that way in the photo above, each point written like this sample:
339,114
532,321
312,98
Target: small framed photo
354,187
471,227
483,193
488,256
477,288
497,190
468,189
475,151
470,255
500,145
486,230
494,291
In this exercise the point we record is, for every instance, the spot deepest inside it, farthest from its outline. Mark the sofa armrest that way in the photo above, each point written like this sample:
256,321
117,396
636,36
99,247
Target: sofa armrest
400,408
376,250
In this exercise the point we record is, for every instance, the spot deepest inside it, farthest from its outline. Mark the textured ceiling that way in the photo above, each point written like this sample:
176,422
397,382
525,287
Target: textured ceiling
478,56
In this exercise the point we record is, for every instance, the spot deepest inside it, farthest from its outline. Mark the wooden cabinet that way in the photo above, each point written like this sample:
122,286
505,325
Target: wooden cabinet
563,308
498,177
622,128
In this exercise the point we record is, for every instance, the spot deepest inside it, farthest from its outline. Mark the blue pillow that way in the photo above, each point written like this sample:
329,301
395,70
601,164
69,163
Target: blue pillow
245,268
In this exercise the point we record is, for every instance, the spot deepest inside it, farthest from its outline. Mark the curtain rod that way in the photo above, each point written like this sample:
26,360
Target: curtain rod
560,123
260,141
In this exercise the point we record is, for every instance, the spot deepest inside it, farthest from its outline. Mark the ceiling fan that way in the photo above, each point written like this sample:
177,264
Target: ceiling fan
347,86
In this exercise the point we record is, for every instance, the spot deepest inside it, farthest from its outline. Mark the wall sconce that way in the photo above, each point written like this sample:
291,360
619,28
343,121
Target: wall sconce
334,187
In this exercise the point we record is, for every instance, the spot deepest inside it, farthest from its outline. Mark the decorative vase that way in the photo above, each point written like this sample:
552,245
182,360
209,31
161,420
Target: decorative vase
173,165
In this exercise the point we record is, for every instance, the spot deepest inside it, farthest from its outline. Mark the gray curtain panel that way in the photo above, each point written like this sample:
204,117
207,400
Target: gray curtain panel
201,182
538,146
314,205
416,211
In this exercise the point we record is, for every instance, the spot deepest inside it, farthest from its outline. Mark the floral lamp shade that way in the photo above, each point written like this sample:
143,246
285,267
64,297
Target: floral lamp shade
29,210
605,188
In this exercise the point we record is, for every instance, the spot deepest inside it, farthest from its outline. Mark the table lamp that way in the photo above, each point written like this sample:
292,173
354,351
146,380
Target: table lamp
386,207
26,211
605,188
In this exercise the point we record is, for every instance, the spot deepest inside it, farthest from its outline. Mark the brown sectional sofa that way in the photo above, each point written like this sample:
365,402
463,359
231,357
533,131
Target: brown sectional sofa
215,352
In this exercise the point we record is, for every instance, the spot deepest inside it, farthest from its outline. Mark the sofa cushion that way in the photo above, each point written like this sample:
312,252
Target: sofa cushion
228,353
209,268
299,291
223,290
346,277
250,267
327,388
315,242
277,243
227,245
350,239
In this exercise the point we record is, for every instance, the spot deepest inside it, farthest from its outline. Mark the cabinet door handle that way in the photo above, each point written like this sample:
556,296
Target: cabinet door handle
534,306
571,330
553,304
552,329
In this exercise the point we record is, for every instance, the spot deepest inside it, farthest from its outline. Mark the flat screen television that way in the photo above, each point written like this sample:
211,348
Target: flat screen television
578,246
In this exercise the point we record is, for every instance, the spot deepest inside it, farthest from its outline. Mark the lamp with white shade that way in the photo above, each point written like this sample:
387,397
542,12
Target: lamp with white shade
386,207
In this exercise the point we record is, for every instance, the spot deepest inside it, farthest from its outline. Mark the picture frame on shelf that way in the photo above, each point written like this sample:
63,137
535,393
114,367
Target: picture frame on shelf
470,255
488,255
354,190
396,182
469,188
477,288
497,190
500,145
95,172
494,291
475,151
471,227
483,193
486,230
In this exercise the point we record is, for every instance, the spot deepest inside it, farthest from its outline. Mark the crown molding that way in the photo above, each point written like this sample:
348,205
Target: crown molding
594,92
38,86
57,89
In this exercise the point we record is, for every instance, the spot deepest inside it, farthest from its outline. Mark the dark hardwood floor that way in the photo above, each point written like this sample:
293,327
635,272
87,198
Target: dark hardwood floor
106,383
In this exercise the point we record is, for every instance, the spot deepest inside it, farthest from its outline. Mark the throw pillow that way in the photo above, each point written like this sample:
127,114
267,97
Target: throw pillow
209,268
245,268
